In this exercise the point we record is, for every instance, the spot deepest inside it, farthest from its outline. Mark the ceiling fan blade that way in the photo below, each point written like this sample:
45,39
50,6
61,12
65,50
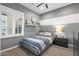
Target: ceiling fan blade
39,5
46,5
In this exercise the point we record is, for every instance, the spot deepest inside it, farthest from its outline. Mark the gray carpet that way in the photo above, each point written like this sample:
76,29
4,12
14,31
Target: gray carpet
54,50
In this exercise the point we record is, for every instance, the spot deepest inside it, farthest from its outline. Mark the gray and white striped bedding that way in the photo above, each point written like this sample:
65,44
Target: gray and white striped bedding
36,44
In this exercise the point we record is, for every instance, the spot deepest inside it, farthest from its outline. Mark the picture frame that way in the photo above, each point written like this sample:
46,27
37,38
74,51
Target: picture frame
33,19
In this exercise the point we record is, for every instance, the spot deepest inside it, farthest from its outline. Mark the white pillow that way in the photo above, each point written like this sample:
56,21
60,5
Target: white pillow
47,34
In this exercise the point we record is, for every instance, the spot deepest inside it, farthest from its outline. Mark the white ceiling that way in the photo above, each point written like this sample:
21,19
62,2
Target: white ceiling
51,6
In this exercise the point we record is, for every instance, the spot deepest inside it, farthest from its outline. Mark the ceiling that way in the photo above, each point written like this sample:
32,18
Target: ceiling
51,6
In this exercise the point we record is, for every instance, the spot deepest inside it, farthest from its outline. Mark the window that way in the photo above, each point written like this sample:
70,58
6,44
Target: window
11,23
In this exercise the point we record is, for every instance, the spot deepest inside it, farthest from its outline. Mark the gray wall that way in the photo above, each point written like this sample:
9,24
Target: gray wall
67,10
28,31
48,28
68,30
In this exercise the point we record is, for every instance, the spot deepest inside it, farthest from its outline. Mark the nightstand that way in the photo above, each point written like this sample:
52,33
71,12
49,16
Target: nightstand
61,42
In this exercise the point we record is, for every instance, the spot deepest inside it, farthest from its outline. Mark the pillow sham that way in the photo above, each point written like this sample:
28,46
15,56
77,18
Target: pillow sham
46,34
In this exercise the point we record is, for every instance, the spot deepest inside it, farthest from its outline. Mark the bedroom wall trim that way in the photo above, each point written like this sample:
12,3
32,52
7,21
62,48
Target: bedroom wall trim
70,45
9,48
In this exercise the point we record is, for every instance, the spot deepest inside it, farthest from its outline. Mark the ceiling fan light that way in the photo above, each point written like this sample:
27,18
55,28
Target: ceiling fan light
41,7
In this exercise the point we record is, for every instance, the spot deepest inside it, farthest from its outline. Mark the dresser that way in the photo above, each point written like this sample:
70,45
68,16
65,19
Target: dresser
61,42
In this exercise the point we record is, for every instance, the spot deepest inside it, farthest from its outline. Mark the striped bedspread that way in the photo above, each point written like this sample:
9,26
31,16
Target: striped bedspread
36,44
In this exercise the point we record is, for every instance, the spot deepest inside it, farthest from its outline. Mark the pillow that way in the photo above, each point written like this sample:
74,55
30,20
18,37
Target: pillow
46,34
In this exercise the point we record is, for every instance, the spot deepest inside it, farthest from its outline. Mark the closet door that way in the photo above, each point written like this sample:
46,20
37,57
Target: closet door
77,38
76,43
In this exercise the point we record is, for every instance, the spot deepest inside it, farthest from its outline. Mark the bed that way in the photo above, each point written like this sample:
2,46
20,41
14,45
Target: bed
37,44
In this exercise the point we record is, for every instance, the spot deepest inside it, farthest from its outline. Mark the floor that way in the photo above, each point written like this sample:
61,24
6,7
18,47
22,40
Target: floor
54,50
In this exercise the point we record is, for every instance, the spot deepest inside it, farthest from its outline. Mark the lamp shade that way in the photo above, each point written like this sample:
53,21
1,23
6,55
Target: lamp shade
59,29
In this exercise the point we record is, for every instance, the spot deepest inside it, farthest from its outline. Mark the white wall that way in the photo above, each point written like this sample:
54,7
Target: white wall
74,18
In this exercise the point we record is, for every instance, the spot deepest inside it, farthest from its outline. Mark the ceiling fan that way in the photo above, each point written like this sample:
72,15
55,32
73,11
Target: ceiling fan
46,5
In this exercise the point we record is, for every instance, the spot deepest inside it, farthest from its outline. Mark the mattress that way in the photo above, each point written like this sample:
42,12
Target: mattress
36,44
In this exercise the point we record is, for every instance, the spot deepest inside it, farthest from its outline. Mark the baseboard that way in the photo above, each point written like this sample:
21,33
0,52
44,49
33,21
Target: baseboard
70,45
9,48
